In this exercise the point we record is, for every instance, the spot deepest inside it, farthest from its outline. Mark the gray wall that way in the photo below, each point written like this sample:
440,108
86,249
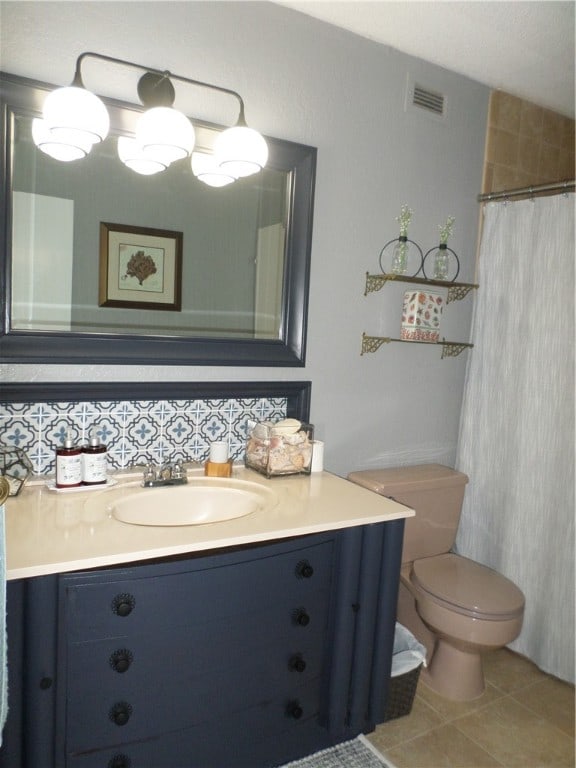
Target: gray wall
308,82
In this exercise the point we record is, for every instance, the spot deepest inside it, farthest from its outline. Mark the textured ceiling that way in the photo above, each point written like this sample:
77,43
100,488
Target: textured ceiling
523,47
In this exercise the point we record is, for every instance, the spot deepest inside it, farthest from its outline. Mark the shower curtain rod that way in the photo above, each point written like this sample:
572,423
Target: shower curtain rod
564,186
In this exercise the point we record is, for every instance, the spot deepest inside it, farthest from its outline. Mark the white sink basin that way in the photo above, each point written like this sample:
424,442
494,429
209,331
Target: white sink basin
201,501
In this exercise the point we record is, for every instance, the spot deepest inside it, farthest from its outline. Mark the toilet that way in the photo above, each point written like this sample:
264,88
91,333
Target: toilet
456,607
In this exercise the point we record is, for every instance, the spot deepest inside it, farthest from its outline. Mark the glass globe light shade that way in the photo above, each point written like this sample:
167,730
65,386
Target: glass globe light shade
165,134
59,151
240,151
205,168
134,157
75,116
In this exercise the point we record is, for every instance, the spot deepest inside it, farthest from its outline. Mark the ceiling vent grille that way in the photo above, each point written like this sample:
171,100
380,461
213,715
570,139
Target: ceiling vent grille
429,100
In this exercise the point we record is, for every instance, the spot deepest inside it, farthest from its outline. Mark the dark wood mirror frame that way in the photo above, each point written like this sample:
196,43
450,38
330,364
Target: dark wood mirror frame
23,96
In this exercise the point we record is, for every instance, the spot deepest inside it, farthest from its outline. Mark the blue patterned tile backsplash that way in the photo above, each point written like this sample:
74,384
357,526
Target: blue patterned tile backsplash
136,431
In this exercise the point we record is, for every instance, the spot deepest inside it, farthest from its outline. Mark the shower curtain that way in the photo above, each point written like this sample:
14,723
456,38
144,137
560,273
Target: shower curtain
516,439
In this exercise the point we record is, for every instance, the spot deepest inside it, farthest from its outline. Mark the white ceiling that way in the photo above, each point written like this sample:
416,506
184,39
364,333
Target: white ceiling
523,47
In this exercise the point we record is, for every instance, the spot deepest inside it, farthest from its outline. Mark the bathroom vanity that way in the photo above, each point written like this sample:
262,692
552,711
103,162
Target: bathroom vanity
240,644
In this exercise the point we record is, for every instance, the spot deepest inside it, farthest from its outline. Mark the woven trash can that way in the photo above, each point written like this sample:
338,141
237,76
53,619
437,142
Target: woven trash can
408,656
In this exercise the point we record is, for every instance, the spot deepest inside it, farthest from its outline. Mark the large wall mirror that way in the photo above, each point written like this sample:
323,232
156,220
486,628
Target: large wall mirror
238,290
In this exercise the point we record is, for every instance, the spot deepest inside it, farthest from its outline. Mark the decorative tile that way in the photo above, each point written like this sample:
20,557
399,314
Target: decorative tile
160,451
162,410
178,429
123,454
136,432
213,427
18,432
126,412
105,430
42,458
143,431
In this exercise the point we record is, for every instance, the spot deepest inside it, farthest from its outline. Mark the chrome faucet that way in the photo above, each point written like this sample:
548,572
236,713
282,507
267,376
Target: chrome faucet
158,475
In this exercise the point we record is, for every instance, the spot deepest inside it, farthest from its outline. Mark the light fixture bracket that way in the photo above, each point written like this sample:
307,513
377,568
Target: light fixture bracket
156,90
154,78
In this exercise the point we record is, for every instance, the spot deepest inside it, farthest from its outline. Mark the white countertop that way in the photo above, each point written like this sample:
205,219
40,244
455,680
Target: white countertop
49,532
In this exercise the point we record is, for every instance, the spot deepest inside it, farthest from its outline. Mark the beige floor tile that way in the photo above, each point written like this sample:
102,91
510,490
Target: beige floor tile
444,747
552,699
509,671
420,720
450,710
517,736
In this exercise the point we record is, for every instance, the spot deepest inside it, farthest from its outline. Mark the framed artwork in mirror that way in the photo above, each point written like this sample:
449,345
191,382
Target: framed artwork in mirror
140,268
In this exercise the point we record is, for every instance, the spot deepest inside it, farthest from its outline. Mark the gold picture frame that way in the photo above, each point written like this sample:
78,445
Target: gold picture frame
140,268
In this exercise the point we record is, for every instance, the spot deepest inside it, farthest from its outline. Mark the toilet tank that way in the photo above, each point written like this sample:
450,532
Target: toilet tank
433,491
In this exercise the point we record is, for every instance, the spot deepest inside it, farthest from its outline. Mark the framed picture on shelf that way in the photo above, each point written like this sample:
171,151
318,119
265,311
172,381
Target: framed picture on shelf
140,268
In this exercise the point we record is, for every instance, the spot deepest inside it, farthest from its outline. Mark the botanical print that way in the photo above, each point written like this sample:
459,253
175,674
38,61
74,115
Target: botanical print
140,268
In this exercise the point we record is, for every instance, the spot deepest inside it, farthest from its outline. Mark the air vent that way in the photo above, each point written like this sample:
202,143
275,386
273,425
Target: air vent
427,99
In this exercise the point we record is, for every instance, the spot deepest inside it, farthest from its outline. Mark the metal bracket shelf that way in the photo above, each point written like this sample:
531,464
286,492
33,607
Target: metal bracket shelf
449,348
456,291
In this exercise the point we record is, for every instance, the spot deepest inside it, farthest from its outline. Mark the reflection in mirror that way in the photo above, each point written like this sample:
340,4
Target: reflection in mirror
233,242
238,294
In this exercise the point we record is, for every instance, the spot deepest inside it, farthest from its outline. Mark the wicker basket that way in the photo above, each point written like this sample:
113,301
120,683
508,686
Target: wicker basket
401,692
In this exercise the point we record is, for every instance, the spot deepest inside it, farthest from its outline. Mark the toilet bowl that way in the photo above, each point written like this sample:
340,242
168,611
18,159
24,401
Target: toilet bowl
469,609
456,607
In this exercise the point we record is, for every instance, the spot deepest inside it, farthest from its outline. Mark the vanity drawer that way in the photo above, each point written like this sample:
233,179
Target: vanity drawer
98,606
168,681
246,739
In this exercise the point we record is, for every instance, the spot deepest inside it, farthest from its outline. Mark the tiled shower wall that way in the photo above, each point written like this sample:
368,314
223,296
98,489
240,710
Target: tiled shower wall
526,145
136,432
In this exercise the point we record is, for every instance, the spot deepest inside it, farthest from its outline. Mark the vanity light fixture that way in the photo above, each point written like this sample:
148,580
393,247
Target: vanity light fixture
240,151
49,144
74,119
134,156
206,169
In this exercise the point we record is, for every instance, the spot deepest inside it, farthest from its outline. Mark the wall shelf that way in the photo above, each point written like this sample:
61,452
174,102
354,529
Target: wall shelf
456,291
449,348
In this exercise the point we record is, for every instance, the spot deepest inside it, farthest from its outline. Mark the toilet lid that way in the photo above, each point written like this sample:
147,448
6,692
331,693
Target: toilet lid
467,586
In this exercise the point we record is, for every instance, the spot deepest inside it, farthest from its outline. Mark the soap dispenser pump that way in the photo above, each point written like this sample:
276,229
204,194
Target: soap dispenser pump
94,462
68,464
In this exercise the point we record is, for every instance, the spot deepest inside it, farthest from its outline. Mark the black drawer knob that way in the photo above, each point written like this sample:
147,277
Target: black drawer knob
46,683
301,617
297,663
120,712
304,570
294,710
123,604
121,659
119,761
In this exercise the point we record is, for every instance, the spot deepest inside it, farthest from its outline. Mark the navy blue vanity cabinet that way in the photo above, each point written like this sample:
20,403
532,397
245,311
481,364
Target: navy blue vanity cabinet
170,648
241,658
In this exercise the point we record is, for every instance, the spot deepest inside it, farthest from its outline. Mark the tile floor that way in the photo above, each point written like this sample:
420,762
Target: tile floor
525,718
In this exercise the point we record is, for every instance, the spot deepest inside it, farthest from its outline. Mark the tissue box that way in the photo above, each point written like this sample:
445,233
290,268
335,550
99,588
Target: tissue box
280,449
421,315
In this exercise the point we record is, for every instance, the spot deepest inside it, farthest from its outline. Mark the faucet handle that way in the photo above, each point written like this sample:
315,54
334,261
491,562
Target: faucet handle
178,471
149,473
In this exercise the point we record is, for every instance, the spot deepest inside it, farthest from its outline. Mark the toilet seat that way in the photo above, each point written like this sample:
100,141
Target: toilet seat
468,588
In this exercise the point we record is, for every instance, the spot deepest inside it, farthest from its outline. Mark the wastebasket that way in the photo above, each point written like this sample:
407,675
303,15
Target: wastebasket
408,656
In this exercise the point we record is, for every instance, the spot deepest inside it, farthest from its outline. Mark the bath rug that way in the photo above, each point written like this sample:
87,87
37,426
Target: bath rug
358,753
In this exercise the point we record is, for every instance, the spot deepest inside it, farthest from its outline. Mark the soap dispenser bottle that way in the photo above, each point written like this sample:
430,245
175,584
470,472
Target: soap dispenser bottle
94,462
68,464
